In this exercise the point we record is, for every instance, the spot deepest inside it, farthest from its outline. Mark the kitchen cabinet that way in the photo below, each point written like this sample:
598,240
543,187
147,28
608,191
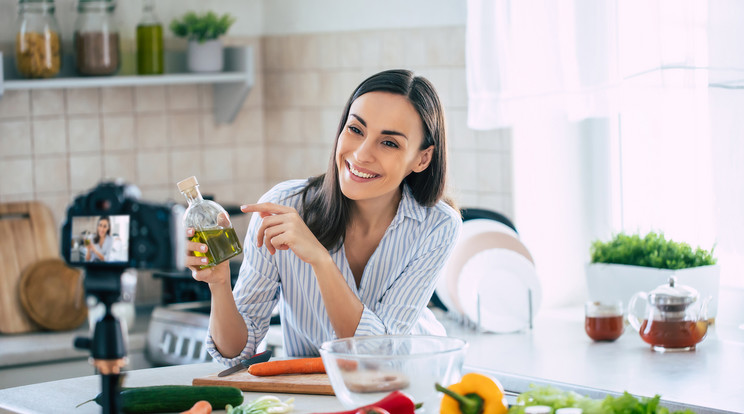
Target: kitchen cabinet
230,87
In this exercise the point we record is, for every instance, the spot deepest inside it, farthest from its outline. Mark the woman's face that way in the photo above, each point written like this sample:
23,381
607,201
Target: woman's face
103,228
379,146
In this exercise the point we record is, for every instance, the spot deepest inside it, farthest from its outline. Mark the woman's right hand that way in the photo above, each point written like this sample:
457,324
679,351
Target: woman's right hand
213,275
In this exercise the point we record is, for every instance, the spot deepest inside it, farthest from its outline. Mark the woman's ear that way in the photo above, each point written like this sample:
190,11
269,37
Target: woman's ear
424,159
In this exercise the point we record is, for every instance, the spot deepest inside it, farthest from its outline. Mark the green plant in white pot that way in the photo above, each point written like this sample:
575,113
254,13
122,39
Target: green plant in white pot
203,32
630,263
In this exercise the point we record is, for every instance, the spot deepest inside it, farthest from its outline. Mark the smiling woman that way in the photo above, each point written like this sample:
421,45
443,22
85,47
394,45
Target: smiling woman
355,251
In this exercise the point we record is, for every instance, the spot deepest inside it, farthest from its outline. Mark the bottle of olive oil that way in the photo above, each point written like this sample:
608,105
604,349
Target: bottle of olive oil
211,225
150,59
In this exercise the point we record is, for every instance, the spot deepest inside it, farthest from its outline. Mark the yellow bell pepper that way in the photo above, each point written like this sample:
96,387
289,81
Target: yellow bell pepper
474,394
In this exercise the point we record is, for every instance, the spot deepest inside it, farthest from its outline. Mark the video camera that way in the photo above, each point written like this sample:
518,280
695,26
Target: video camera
136,235
144,235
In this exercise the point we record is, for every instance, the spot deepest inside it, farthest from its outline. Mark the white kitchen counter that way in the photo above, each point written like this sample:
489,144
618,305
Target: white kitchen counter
556,350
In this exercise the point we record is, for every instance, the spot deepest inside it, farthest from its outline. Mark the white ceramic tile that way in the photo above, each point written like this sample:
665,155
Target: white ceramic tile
57,202
84,133
371,50
152,131
307,52
330,118
47,102
218,134
459,136
466,198
206,96
491,140
85,171
159,193
50,136
458,88
184,129
15,138
284,127
218,164
120,165
392,52
153,167
414,48
308,89
118,132
249,126
21,169
83,101
464,170
272,53
10,198
286,162
117,100
223,192
149,98
311,125
255,98
291,50
250,163
490,171
350,50
182,97
184,164
328,53
51,173
316,160
15,104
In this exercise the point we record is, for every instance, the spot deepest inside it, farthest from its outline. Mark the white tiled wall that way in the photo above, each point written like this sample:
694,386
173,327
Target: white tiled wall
308,79
55,144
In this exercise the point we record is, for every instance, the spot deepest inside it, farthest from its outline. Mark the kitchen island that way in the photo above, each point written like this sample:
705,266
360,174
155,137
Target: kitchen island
555,351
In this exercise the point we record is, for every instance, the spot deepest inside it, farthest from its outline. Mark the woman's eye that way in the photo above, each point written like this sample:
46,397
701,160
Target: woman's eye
355,130
390,144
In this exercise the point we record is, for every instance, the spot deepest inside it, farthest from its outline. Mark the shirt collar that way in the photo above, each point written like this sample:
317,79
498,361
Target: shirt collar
409,207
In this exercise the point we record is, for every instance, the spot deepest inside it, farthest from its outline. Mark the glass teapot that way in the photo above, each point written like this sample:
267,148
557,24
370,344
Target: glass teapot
674,319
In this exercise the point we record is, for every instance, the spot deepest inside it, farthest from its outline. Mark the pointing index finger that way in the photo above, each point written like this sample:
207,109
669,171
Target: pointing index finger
269,208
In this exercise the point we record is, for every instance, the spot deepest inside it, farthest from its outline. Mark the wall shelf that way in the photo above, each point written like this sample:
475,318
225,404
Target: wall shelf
230,87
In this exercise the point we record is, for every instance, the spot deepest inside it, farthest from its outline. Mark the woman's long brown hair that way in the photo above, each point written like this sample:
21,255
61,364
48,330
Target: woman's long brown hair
326,210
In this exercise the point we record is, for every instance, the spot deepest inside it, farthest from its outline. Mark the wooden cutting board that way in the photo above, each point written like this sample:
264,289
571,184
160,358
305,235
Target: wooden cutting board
29,234
53,296
287,384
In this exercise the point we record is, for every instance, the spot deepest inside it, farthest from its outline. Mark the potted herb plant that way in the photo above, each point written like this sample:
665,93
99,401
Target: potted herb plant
630,263
203,32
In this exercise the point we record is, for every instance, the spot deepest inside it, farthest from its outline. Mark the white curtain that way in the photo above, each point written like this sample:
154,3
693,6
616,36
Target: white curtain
609,122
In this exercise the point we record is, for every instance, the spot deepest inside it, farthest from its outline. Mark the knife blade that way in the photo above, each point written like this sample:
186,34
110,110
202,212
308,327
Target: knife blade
262,357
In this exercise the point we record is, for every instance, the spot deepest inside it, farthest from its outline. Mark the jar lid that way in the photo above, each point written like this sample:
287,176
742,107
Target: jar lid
672,294
186,184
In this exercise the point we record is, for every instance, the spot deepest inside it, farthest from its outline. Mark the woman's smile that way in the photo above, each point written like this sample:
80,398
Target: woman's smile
359,174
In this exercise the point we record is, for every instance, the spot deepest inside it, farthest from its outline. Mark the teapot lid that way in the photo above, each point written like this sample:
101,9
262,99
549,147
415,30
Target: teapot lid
672,294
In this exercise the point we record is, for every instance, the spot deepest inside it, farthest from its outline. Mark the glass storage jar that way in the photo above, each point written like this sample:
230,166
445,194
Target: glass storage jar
96,38
38,50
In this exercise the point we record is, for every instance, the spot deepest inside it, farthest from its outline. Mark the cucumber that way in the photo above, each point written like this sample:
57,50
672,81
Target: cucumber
175,398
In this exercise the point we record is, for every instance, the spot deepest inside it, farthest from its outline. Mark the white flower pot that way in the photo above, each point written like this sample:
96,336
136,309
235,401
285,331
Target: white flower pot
206,56
620,282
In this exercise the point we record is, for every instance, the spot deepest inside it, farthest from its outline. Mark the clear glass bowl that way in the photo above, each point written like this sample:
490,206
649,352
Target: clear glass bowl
363,370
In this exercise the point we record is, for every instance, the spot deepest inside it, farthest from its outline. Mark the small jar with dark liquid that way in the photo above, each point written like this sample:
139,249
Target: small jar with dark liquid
604,321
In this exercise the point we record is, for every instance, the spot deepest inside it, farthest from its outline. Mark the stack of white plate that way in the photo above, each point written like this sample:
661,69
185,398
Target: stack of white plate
490,279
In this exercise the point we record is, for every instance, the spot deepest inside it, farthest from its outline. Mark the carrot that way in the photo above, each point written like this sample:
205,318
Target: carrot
288,366
201,407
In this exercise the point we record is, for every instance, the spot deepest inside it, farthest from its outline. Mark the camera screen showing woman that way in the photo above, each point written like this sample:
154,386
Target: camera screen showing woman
100,247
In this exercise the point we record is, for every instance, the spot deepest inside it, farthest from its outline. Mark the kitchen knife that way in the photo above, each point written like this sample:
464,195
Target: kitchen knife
262,357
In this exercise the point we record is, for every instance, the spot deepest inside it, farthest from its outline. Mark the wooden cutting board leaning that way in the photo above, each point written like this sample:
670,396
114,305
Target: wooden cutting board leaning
29,235
289,383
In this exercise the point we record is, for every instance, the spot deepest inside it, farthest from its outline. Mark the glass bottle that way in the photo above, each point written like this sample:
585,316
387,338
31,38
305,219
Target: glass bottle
149,42
211,225
38,51
96,38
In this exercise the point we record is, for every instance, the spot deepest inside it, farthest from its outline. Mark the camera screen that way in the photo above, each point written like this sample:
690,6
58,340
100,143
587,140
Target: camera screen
103,239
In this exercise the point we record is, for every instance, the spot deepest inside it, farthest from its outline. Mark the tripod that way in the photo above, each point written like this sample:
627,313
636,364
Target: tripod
107,348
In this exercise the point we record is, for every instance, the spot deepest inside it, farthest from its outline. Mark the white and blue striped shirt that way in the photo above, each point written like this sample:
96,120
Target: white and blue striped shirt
396,285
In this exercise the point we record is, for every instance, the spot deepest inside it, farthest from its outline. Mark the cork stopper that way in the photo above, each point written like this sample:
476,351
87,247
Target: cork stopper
187,184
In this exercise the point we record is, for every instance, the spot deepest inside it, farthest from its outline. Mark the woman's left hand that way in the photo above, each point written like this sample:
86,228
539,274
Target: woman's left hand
282,228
